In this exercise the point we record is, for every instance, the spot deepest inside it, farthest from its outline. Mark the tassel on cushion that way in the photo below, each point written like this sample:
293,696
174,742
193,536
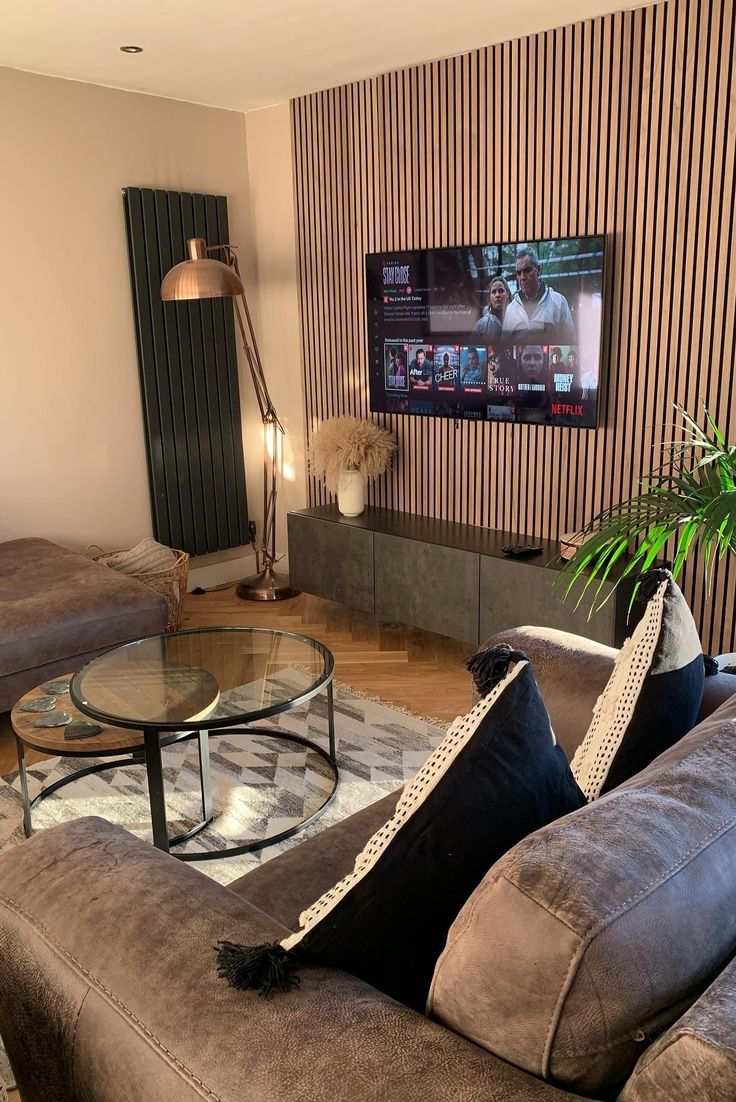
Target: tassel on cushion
261,968
650,582
490,666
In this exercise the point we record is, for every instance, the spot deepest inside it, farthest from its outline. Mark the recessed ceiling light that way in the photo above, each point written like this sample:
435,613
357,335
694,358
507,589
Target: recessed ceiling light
131,49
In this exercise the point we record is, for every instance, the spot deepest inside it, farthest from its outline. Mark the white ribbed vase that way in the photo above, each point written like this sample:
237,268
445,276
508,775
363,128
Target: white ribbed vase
351,493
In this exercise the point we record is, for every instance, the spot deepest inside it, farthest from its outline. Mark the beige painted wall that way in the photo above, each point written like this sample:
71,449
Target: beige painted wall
267,257
72,456
269,273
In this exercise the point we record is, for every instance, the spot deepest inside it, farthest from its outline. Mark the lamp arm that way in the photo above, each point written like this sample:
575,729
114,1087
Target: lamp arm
250,344
261,395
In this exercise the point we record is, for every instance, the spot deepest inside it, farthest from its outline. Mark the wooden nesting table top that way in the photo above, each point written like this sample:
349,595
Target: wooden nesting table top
51,739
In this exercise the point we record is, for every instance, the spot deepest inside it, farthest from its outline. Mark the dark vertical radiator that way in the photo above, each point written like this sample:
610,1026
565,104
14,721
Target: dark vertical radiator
189,377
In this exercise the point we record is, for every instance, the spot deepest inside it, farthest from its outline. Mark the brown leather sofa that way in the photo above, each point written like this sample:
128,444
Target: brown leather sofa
58,609
592,961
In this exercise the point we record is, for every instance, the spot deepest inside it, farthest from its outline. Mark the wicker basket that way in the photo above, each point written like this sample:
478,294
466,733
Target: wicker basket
170,583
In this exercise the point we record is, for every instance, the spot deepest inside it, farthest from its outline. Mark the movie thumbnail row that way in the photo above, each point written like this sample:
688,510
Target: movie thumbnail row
444,369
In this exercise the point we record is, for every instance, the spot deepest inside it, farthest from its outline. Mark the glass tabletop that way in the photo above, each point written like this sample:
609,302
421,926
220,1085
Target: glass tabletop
222,675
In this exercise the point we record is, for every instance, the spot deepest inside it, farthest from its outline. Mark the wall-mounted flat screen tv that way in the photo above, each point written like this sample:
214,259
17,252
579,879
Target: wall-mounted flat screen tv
507,332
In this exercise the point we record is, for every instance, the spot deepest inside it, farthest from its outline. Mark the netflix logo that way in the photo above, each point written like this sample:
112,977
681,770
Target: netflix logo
564,410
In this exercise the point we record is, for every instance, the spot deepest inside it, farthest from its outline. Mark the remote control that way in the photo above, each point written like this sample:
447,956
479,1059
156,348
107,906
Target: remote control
519,550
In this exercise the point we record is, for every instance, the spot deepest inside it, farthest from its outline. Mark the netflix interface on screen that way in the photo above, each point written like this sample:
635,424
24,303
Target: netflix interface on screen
508,332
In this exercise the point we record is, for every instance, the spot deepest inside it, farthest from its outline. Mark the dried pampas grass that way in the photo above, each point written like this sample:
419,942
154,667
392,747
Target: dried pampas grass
350,444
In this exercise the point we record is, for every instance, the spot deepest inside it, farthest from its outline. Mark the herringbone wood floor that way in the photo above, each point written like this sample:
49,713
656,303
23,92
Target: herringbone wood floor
412,668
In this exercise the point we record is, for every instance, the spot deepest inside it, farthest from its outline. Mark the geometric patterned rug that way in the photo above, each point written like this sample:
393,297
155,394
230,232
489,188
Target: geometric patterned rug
260,785
6,1075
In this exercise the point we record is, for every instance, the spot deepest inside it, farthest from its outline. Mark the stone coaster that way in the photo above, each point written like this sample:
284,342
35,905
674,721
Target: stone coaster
39,704
57,688
81,728
53,719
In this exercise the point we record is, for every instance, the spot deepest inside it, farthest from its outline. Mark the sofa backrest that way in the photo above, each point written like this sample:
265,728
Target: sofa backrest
572,672
593,935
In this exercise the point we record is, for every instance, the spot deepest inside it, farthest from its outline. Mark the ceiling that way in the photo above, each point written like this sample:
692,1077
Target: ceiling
243,54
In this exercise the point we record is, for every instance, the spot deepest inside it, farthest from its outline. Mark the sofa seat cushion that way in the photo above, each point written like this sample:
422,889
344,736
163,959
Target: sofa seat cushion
696,1058
55,603
595,933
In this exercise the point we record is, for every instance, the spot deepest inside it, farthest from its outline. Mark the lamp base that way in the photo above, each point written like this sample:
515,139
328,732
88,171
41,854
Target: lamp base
266,586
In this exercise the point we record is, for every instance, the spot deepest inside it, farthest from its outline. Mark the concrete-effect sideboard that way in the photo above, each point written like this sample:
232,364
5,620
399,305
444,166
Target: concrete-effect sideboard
452,579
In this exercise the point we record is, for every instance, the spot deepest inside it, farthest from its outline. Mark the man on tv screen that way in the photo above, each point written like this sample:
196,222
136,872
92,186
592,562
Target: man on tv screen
420,369
471,371
500,371
536,309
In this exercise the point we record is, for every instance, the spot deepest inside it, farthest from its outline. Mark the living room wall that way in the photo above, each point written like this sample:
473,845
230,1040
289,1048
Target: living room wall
623,125
72,449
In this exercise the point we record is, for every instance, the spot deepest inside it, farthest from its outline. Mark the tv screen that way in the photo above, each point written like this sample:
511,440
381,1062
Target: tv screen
508,332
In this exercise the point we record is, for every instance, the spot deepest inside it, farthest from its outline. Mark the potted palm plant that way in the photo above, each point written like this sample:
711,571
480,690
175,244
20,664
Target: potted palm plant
690,500
348,451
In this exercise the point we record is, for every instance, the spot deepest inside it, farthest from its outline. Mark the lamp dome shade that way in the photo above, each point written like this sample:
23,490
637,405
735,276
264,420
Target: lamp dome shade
200,277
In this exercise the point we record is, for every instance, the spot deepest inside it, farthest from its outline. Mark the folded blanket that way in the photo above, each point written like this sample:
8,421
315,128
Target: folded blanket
145,558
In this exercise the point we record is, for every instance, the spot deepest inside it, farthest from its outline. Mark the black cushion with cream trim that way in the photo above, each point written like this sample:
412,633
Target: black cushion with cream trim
653,696
497,776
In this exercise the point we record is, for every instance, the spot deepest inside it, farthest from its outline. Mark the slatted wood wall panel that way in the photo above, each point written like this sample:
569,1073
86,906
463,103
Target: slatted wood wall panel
623,125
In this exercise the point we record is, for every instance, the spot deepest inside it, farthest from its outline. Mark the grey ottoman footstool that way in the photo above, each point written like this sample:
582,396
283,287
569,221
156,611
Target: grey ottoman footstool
58,609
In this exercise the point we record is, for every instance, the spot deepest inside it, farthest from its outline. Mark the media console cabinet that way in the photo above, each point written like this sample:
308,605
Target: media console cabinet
452,579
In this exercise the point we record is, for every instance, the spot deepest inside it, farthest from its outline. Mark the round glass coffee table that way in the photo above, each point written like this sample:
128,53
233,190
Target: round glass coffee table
188,683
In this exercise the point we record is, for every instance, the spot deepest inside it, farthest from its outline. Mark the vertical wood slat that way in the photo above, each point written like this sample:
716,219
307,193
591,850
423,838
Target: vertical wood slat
189,378
601,127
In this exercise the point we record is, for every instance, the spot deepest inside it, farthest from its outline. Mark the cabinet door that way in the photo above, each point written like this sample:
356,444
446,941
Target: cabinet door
427,586
515,594
331,560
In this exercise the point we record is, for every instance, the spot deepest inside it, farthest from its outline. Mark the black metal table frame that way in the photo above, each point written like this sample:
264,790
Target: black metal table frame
148,753
135,756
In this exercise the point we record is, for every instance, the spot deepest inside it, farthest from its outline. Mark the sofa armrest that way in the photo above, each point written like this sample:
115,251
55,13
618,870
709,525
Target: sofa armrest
571,672
108,990
718,689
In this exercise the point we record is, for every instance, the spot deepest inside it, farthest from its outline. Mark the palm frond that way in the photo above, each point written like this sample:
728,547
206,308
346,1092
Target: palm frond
689,499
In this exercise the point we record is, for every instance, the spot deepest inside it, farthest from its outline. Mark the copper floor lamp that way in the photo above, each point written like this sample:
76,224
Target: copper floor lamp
201,277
